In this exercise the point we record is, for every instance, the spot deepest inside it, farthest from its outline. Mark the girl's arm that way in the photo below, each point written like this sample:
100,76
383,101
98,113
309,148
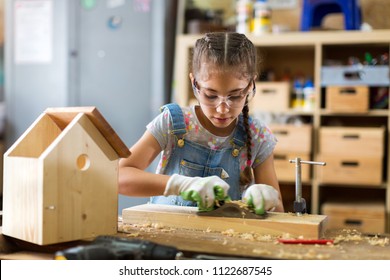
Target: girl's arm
265,174
133,180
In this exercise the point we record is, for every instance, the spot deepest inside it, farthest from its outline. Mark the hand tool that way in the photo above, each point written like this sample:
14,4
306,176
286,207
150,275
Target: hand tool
118,248
306,241
300,202
232,210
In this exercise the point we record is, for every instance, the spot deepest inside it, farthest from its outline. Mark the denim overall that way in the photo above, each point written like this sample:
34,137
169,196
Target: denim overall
192,159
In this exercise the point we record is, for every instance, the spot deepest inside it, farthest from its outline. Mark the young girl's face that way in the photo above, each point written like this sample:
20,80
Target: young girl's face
221,96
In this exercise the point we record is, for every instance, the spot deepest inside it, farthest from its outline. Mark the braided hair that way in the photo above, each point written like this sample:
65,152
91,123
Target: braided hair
230,51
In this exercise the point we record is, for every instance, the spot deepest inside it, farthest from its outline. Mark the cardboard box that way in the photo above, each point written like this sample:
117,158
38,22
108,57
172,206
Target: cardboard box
366,217
271,96
351,99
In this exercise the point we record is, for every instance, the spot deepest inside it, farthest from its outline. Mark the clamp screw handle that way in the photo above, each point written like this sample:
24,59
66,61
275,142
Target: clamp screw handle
300,203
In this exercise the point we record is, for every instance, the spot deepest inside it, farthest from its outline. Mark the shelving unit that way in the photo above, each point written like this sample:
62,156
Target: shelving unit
306,53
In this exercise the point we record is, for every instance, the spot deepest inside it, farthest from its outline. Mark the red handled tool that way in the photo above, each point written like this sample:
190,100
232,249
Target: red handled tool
306,241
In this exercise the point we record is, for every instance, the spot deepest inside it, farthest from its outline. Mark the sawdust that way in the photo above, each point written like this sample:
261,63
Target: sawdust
242,205
282,251
348,235
147,227
230,232
251,236
352,235
377,241
287,235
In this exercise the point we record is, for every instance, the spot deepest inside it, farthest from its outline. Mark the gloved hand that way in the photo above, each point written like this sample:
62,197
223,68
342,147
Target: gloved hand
261,197
204,191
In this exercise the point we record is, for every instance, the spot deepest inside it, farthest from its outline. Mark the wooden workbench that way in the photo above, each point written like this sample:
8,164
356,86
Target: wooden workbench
348,245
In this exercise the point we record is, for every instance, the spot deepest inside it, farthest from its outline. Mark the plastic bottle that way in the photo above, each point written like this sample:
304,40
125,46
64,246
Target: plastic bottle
309,95
244,10
297,94
262,18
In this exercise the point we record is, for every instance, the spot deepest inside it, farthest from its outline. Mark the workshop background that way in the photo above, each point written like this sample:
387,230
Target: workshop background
129,57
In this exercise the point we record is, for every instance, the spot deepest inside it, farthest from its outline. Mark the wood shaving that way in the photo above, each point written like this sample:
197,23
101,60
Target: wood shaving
377,241
243,206
348,235
248,236
147,227
252,236
240,203
229,232
287,235
353,235
265,238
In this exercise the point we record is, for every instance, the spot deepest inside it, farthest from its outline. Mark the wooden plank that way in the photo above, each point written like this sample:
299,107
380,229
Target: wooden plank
181,217
64,115
35,139
26,255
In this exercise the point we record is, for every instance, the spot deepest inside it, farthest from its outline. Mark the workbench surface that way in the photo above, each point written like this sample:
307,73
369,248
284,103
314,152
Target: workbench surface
348,244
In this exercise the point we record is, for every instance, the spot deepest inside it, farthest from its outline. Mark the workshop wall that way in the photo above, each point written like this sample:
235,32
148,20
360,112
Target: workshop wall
1,22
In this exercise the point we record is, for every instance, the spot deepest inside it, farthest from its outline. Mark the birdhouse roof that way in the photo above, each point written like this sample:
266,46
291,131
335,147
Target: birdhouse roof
62,116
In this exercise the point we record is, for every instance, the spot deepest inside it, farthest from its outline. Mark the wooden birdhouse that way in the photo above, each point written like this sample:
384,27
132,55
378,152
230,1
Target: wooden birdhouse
61,178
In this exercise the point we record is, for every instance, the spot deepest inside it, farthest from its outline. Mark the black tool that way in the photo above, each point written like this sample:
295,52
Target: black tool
117,248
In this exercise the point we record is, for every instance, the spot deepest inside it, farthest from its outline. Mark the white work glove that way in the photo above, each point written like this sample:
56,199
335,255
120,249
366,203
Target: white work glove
204,191
261,197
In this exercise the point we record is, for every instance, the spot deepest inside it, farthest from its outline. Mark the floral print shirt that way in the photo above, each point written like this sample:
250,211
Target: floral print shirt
263,141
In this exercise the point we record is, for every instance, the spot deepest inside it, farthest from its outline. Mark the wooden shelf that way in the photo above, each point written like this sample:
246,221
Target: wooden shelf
308,50
371,113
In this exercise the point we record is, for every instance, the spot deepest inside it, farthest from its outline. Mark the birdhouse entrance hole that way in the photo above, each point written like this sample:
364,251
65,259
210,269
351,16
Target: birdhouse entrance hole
83,162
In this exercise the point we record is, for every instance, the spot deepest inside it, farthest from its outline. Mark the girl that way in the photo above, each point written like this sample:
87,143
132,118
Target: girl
213,150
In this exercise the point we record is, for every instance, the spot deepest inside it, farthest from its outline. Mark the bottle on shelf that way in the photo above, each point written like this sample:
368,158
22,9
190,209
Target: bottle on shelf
297,99
244,11
262,18
308,96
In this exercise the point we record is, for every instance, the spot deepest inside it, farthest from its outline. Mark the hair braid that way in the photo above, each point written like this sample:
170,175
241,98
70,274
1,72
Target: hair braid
246,175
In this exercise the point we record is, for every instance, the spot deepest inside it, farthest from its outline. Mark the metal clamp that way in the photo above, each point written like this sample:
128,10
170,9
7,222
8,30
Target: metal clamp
300,202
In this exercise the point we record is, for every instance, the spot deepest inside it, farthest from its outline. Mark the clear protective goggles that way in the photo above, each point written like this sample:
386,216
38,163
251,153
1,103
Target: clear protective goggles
210,99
